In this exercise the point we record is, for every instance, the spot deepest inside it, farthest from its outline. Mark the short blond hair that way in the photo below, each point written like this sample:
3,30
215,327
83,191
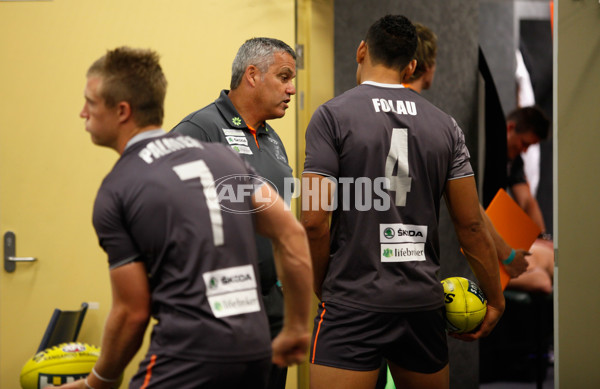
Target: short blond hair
426,50
134,76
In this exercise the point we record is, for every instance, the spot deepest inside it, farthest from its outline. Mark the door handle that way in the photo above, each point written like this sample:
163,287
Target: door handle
10,249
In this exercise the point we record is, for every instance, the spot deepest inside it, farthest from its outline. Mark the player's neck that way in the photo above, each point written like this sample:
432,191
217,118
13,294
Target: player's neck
129,133
380,74
416,85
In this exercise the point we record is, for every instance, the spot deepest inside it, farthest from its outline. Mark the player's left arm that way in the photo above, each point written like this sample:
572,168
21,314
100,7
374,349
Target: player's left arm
315,219
519,263
478,246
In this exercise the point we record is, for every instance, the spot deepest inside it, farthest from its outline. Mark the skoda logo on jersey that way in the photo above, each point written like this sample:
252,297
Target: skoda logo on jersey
214,282
388,233
234,193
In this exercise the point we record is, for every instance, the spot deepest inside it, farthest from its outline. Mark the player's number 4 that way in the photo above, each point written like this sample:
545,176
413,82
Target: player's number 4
199,169
398,154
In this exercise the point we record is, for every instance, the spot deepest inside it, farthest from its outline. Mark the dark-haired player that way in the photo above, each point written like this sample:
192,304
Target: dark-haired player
376,267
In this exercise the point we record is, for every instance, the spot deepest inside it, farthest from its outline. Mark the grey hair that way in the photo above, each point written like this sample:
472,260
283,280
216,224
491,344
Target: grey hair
258,52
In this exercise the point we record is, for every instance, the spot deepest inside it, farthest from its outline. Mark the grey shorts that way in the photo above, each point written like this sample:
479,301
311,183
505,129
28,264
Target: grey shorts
353,339
167,372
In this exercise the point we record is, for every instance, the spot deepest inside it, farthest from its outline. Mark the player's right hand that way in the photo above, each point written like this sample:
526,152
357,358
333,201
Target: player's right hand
492,317
290,346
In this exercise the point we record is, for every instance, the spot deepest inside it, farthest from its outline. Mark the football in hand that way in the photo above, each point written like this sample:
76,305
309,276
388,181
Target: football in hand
466,304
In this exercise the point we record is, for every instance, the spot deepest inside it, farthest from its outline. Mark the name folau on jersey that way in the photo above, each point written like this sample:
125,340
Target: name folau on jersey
400,107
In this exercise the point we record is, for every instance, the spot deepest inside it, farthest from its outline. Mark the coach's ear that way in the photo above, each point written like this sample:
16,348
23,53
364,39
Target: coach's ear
252,74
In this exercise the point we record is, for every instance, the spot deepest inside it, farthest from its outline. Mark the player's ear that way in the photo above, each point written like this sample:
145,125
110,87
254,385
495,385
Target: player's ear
510,126
409,70
361,52
124,111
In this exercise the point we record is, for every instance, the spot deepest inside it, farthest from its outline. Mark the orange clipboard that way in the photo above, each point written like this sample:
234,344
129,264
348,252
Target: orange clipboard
513,225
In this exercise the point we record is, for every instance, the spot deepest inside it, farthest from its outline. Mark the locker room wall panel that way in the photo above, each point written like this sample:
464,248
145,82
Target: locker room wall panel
498,43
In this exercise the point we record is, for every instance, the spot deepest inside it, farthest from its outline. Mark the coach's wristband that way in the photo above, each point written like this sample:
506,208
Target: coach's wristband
510,258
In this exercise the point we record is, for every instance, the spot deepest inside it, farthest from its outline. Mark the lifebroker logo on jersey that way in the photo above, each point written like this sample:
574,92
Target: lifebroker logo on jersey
402,242
232,291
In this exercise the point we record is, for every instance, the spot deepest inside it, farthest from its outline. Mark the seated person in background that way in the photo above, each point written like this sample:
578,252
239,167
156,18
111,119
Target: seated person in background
525,127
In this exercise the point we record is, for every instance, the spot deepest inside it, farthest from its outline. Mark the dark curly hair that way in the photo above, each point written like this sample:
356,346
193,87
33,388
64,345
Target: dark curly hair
392,41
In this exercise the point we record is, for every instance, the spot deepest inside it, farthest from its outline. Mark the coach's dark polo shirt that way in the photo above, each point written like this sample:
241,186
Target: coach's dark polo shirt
264,151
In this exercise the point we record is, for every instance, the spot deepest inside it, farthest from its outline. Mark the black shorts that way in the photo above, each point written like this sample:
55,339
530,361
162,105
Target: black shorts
167,372
353,339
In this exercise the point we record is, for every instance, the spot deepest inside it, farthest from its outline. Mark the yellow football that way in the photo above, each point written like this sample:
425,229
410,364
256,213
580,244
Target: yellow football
466,304
58,365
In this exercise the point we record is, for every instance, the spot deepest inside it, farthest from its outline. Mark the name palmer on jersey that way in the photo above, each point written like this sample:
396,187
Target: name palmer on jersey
400,107
164,145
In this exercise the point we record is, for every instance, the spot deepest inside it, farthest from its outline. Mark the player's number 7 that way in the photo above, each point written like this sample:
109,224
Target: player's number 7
199,169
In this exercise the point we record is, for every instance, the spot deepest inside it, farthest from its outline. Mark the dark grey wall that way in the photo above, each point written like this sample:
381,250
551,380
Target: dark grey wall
454,90
497,39
456,25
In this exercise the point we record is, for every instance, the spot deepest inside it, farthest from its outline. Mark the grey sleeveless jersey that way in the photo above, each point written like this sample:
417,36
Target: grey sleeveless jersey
390,152
160,205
